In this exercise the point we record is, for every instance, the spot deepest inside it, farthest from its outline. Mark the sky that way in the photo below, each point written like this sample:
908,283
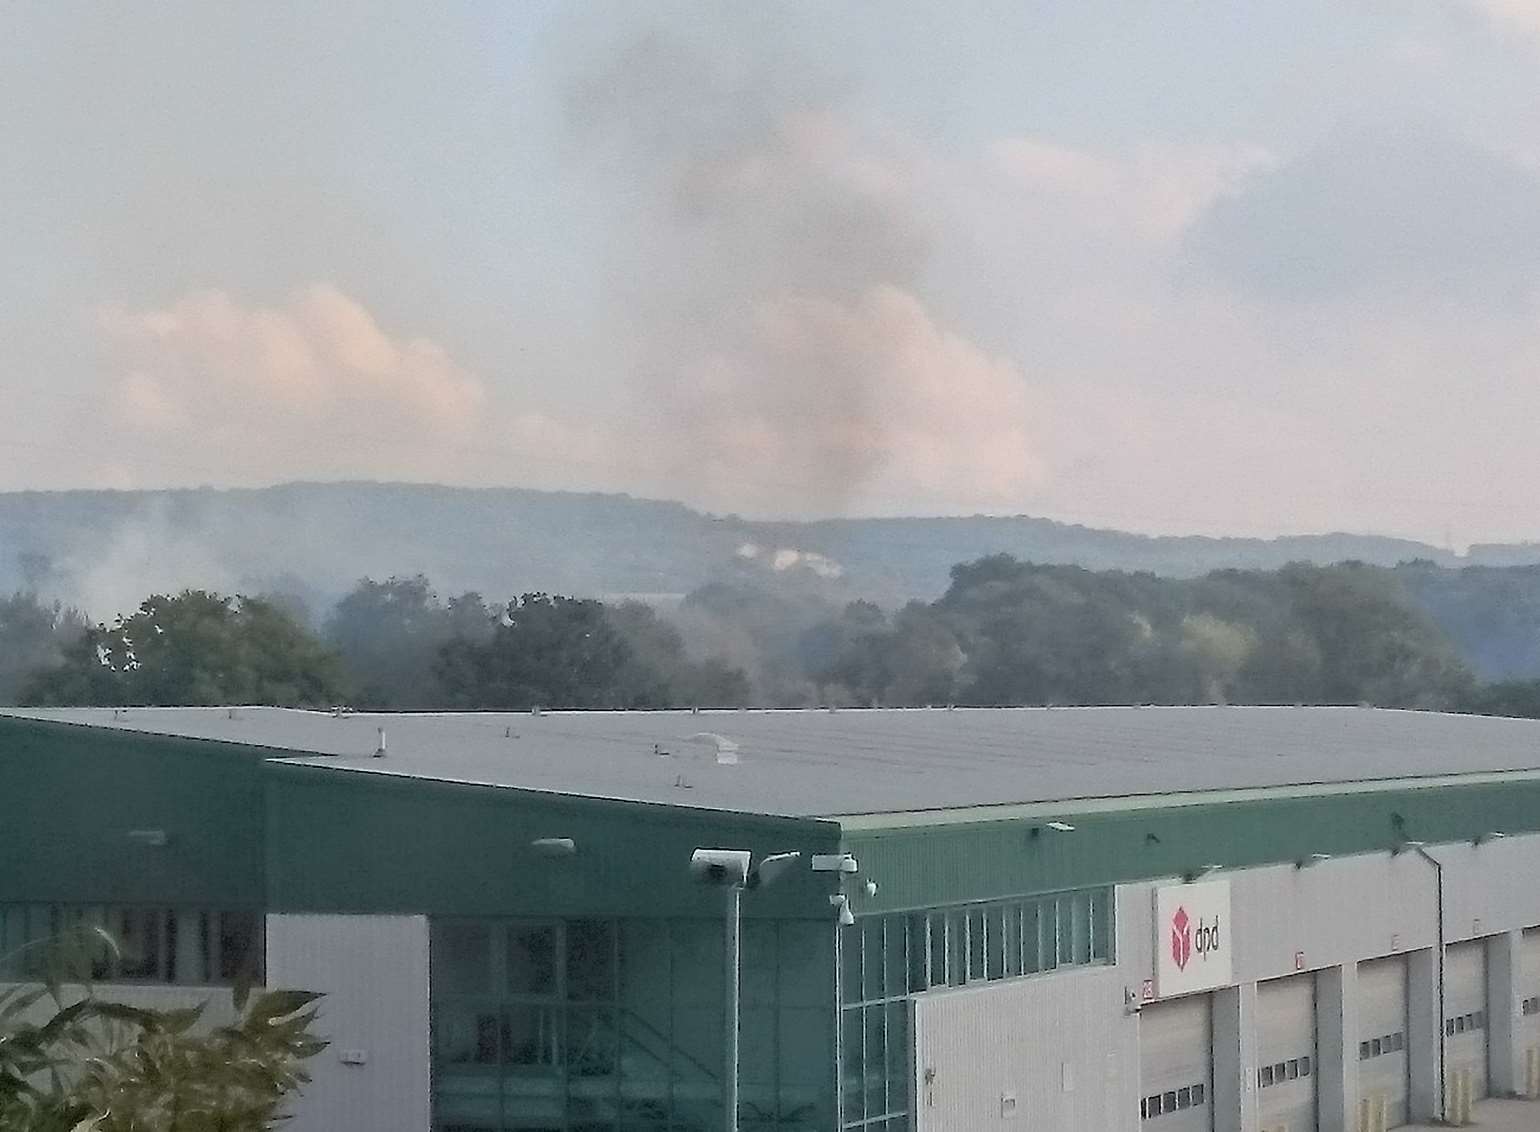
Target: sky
1203,268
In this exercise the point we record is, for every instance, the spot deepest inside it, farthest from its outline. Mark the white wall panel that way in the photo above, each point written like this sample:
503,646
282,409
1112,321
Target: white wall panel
1051,1052
374,973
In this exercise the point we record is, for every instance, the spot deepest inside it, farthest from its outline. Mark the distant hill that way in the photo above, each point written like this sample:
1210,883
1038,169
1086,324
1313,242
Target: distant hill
106,549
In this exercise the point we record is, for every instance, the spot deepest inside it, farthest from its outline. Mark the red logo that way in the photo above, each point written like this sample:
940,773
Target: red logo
1181,938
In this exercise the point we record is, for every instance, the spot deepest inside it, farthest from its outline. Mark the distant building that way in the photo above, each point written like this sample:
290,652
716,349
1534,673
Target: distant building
1071,919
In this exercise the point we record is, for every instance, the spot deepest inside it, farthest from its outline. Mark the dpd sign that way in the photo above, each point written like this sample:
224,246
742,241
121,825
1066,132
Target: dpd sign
1193,940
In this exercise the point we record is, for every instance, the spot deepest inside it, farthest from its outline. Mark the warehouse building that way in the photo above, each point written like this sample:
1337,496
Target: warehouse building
1135,919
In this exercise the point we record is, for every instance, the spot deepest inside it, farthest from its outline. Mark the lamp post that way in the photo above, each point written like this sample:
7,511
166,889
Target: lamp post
732,871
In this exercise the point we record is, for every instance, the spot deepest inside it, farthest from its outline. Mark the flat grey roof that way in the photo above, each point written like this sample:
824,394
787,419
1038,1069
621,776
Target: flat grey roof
850,762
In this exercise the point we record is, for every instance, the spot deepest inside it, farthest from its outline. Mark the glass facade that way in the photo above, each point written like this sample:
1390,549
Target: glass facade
597,1025
884,960
177,946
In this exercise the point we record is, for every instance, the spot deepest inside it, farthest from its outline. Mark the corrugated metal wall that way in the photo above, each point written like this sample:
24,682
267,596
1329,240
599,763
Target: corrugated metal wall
69,797
923,866
338,843
1056,1052
374,973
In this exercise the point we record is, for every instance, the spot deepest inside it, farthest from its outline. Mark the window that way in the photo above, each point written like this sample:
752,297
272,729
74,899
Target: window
1304,1067
606,1024
1178,1100
1363,1051
978,934
1265,1076
177,946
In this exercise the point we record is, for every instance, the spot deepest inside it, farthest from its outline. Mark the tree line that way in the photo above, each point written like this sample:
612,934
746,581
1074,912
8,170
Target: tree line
1004,632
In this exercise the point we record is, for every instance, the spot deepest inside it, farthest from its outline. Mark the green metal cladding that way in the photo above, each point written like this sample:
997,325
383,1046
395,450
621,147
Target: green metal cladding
923,866
70,796
245,831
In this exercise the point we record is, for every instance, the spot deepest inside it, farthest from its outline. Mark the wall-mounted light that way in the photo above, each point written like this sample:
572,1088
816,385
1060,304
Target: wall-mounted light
1406,847
1056,826
1483,838
1202,871
554,846
834,863
1313,859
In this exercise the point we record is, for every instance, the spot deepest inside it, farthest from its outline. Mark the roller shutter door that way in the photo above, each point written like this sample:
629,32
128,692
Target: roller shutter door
1382,1064
1529,1016
1286,1072
1465,1012
1176,1062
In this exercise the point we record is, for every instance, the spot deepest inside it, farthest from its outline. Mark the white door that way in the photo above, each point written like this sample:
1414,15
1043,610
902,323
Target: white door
1382,1065
1465,1012
1176,1065
1286,1065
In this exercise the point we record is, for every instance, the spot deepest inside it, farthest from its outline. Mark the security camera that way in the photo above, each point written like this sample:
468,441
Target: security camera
721,867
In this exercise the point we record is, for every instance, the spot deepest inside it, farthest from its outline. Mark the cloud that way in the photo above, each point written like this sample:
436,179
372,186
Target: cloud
771,282
1154,190
1518,16
1395,211
320,353
853,404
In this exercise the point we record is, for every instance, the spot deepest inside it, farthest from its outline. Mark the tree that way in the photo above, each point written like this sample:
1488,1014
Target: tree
191,649
389,635
72,1062
33,636
660,672
545,651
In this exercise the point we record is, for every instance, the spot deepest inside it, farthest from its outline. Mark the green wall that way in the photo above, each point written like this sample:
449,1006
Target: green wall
244,832
343,841
919,867
70,795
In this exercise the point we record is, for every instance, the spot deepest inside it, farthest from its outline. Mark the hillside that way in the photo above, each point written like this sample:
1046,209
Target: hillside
103,549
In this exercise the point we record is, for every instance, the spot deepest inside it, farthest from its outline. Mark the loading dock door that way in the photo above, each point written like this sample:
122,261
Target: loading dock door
1176,1065
1529,1012
1286,1064
1465,1012
1382,1065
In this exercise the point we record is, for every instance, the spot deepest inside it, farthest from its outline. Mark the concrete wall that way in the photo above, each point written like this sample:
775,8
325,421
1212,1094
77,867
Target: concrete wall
1049,1052
373,971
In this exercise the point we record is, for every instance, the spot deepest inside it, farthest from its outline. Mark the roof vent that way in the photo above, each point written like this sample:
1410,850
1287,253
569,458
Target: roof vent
379,752
727,750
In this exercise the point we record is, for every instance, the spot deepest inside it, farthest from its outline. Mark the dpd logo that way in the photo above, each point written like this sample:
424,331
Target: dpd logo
1191,952
1181,938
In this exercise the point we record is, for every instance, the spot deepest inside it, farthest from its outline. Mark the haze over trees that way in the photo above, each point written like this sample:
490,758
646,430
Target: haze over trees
102,550
1005,632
